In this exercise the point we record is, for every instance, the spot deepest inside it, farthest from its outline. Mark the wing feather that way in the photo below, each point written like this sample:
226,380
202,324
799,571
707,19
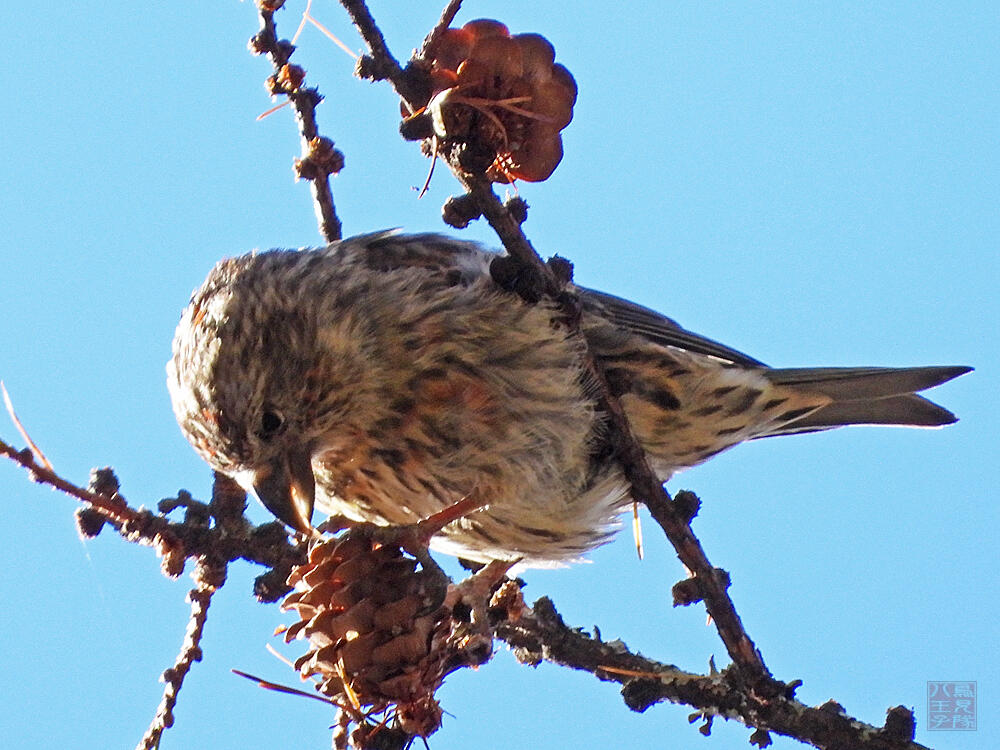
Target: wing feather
658,328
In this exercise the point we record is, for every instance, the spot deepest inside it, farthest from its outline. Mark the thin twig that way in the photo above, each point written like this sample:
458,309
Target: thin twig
20,428
278,688
333,38
302,22
208,577
319,158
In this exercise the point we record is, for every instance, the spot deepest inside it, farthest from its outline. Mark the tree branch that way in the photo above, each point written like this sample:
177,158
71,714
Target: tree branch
362,19
319,157
447,16
540,634
231,537
209,577
112,506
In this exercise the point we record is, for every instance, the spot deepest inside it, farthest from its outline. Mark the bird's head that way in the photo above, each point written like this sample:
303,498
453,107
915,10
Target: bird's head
251,383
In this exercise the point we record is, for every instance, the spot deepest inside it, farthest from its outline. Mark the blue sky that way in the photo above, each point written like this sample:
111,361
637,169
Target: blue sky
814,184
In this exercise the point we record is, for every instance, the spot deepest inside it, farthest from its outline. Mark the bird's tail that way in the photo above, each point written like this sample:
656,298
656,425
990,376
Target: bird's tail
866,395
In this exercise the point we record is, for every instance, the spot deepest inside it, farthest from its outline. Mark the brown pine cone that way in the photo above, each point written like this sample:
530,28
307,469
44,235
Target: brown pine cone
499,102
363,608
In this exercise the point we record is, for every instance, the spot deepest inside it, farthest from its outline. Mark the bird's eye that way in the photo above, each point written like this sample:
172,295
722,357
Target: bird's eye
270,423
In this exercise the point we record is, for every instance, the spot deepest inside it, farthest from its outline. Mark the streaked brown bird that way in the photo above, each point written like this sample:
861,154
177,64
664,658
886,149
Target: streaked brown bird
387,376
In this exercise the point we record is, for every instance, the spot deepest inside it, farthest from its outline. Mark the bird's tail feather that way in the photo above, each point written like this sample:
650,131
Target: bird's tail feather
867,395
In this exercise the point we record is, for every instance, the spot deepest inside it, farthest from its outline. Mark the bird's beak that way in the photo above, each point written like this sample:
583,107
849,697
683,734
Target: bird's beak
287,488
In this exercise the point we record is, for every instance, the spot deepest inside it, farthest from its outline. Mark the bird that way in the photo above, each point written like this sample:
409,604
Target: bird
385,377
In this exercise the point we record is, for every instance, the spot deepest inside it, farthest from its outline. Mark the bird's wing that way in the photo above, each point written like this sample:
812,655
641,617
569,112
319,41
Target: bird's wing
657,328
